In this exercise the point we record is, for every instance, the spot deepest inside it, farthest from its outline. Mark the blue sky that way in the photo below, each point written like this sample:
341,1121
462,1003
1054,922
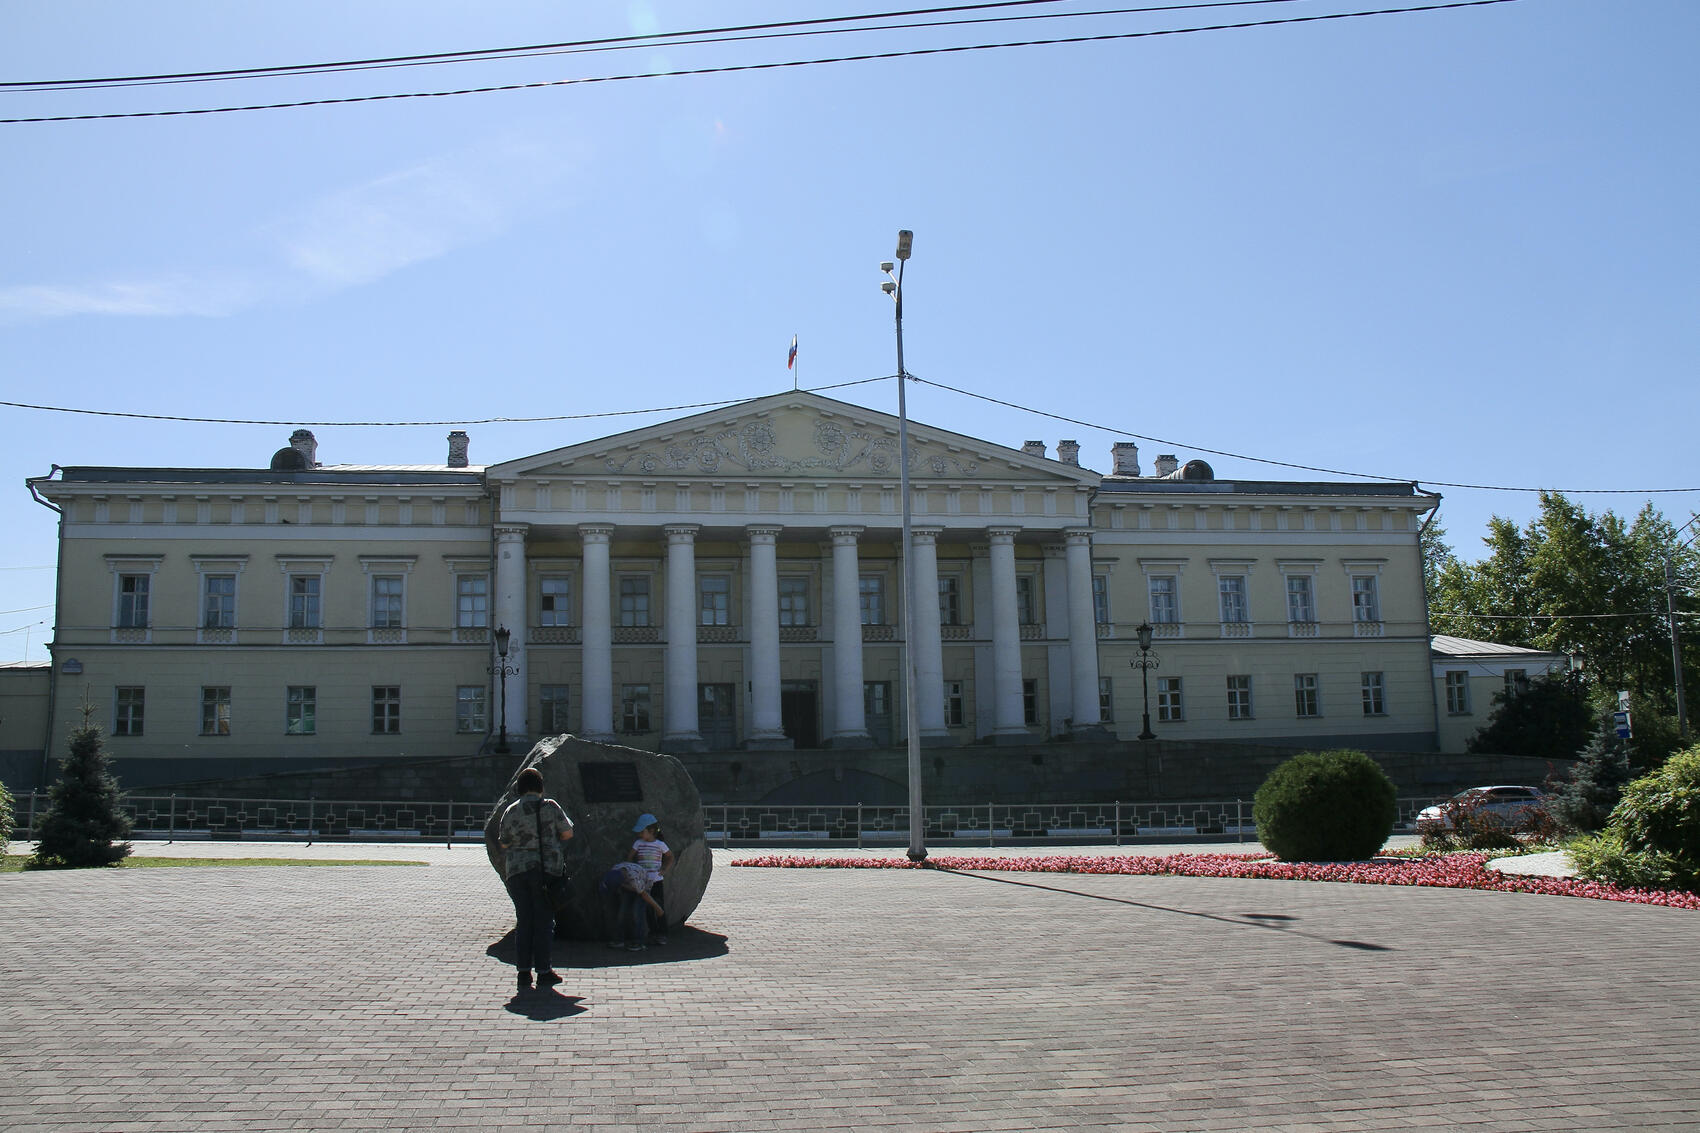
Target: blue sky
1446,246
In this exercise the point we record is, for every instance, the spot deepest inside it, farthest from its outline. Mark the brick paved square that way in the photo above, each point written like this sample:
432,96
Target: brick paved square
367,998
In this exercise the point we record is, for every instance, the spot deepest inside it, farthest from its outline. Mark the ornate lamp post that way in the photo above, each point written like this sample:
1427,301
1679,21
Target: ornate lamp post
1145,662
893,286
502,671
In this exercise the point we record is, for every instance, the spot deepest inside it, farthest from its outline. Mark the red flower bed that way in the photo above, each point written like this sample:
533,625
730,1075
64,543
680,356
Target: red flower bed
1446,871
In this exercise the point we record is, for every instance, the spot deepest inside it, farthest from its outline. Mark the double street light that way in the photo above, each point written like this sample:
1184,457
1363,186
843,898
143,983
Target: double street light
893,286
502,671
1145,662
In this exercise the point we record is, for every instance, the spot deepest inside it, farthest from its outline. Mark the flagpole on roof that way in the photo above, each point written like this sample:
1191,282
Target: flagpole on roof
791,362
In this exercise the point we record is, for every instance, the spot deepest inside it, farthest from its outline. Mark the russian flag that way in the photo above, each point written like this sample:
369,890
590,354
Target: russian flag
791,358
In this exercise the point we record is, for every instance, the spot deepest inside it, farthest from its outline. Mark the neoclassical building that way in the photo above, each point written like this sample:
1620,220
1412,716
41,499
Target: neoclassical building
727,580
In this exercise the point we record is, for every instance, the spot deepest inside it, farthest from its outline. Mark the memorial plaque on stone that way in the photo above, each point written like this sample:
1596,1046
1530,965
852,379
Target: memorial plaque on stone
610,782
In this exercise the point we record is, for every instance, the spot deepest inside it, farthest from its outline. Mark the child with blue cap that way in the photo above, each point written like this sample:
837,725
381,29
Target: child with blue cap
650,852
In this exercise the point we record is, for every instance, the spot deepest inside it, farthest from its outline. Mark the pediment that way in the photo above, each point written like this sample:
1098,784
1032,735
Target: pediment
794,435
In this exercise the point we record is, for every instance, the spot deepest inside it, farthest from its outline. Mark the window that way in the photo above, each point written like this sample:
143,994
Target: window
794,601
1375,701
1239,697
1516,681
1169,704
1366,602
1164,608
1026,610
554,601
472,708
872,597
1457,692
1106,701
553,701
386,601
472,600
218,601
634,708
1306,695
1101,599
876,699
304,601
634,600
1231,587
950,600
300,711
386,710
714,600
1301,601
133,600
127,710
215,710
953,704
1029,702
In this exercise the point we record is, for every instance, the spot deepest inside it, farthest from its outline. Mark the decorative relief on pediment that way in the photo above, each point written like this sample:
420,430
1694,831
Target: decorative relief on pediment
755,447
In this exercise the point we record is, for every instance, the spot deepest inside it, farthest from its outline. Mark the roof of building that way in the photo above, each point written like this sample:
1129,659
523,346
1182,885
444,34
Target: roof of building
1442,645
15,665
1114,484
329,474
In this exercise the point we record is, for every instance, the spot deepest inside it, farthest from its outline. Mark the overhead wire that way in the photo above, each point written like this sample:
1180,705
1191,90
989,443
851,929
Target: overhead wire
748,67
731,34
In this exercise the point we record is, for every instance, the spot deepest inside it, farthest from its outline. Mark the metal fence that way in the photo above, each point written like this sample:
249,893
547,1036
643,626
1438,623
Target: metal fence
181,817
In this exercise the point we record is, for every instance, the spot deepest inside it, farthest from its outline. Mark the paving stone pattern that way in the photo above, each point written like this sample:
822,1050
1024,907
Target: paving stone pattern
366,998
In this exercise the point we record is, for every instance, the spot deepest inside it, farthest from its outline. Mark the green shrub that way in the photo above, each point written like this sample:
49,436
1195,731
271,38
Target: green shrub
1653,838
1584,802
85,817
1325,806
5,818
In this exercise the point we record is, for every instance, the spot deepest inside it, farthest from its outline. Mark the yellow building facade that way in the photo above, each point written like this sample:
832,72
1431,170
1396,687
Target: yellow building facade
727,580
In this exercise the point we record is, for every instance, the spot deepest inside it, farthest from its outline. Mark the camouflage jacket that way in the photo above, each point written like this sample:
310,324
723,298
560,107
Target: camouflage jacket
518,834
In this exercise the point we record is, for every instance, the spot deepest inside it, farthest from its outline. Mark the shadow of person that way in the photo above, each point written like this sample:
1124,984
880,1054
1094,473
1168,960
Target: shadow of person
684,943
545,1006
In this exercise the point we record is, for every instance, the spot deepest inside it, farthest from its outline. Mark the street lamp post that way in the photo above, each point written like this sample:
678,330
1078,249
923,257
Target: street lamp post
502,671
1145,663
893,286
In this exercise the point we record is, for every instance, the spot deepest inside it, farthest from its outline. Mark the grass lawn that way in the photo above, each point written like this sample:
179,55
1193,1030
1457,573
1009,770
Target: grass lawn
14,863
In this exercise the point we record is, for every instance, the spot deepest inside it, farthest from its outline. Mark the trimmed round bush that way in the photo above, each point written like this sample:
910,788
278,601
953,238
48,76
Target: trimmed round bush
1326,806
1653,838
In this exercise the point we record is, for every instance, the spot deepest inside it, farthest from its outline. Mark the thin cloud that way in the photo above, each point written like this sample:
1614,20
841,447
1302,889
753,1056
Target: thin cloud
348,238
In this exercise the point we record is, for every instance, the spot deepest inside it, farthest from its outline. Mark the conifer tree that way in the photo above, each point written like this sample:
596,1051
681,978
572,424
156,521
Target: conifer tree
84,825
1596,783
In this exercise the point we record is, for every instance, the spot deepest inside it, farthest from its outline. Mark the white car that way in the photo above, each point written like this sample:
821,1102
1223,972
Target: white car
1512,805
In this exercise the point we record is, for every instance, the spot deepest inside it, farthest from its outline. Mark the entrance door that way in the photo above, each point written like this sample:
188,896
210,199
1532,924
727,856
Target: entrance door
799,713
876,710
717,718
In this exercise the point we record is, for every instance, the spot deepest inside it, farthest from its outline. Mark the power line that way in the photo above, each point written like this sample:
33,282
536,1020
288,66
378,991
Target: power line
731,34
742,67
412,424
1283,463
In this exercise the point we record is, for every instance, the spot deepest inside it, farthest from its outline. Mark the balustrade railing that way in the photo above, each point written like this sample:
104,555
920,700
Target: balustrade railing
183,817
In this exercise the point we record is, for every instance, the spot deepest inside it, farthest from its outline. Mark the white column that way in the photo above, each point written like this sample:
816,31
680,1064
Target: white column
679,731
1082,630
850,725
924,623
512,692
596,651
1006,635
766,727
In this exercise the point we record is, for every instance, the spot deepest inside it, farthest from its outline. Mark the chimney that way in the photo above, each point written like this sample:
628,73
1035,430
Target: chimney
1034,448
1126,457
301,440
1069,452
1166,464
457,448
